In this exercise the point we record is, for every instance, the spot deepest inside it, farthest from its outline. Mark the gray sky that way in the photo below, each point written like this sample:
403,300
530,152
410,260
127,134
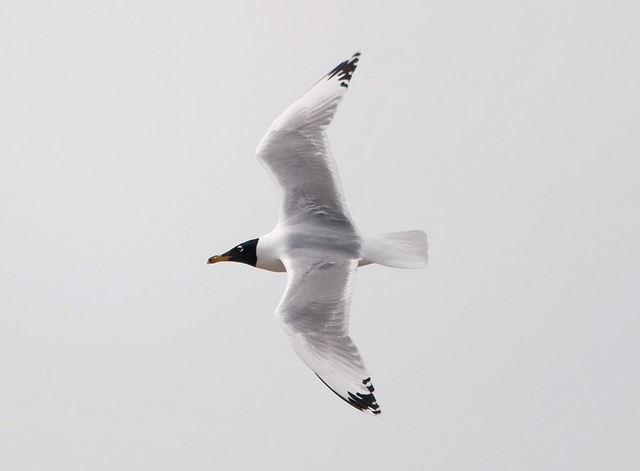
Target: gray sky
507,131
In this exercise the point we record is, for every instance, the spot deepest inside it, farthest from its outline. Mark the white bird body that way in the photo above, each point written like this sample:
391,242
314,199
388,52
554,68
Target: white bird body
397,249
317,243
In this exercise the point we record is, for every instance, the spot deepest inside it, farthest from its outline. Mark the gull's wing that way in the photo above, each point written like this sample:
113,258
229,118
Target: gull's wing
314,312
295,151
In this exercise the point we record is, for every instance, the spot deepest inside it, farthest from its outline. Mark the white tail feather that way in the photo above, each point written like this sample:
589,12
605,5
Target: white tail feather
396,249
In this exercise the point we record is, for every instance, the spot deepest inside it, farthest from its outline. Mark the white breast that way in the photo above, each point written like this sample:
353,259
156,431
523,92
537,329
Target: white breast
268,251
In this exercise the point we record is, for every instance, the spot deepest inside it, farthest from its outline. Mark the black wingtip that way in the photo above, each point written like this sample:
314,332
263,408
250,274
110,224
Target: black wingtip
345,70
362,402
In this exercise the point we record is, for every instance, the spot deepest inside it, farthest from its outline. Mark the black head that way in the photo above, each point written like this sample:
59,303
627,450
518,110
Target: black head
243,253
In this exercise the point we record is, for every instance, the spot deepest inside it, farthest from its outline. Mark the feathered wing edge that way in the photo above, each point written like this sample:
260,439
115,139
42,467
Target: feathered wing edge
314,312
317,106
364,402
295,150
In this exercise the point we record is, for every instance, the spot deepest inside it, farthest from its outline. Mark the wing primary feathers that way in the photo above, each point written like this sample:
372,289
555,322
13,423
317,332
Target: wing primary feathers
295,151
362,402
345,70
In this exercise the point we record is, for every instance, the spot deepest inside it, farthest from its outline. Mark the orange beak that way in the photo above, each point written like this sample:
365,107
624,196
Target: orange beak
218,258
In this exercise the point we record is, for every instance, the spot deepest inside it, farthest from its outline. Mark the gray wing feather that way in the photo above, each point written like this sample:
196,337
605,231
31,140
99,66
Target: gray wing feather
295,151
314,312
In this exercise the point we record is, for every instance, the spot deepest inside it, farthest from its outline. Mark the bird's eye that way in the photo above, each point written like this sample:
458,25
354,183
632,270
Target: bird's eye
240,248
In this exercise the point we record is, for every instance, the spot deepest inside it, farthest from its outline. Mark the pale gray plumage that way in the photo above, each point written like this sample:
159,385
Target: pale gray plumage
317,243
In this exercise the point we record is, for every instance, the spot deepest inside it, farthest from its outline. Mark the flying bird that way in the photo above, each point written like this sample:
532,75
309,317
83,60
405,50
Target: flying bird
316,241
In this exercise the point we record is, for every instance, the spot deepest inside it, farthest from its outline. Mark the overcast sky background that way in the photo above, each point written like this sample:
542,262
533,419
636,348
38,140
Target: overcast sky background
508,131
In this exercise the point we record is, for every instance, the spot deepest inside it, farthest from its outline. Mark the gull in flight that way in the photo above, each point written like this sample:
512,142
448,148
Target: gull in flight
316,241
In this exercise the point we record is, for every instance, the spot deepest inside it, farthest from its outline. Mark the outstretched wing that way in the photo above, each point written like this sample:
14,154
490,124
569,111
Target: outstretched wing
295,151
314,312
